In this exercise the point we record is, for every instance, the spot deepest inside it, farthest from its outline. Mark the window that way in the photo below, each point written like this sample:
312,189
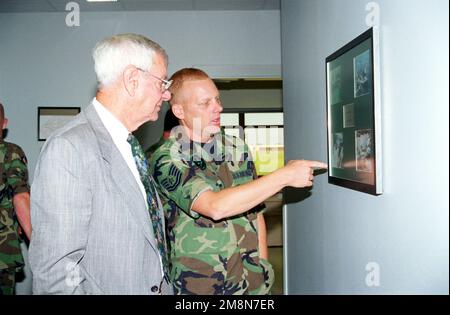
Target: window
263,132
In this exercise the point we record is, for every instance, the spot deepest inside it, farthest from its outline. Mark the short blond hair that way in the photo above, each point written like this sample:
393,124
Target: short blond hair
181,76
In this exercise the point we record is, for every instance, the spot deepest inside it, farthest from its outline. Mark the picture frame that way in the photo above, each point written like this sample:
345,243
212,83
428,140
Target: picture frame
53,118
354,144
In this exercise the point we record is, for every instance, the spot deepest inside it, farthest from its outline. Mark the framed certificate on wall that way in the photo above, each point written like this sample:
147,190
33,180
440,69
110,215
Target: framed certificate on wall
53,118
353,115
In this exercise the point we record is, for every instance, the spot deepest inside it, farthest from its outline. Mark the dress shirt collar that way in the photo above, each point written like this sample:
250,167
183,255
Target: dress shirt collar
115,128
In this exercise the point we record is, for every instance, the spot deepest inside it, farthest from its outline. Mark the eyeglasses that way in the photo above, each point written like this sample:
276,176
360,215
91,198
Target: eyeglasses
165,84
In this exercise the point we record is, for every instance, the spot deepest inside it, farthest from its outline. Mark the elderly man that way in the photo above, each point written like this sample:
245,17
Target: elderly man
213,198
98,221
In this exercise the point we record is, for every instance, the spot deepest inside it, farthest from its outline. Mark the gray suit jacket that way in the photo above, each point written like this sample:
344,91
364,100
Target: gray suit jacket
92,232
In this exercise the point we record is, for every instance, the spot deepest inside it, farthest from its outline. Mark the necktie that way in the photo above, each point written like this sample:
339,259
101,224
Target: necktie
146,178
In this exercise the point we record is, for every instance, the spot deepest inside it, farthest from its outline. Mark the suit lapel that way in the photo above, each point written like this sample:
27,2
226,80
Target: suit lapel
121,175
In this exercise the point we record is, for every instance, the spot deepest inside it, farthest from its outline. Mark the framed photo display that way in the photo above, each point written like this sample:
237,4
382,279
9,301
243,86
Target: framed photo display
353,115
53,118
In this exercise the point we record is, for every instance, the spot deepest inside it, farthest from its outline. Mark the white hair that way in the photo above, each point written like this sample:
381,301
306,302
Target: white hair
113,54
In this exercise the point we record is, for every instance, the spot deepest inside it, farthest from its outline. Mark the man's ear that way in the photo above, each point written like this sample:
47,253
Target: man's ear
130,80
178,111
5,123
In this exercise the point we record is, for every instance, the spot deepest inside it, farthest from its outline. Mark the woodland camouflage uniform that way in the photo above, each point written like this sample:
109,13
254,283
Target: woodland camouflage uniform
14,180
209,257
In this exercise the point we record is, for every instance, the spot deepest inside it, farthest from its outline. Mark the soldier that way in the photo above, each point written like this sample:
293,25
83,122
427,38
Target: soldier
212,197
14,206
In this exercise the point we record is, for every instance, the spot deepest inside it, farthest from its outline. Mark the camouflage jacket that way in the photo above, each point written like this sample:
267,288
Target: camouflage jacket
207,256
14,180
153,148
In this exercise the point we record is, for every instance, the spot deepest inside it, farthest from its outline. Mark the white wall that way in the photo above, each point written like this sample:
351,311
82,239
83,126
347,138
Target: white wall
333,234
45,63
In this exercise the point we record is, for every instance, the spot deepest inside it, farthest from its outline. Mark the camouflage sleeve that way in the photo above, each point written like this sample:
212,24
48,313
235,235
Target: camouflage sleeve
261,208
17,172
179,181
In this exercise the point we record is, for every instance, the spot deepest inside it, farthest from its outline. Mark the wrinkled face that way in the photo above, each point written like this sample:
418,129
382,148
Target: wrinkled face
152,93
201,108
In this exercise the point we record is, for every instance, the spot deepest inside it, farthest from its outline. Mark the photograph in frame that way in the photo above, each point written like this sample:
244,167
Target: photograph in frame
336,80
362,74
364,150
338,150
349,115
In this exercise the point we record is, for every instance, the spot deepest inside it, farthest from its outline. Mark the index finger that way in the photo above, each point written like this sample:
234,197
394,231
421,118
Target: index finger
316,164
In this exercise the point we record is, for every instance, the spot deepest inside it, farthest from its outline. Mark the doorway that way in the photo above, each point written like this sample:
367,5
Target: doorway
253,111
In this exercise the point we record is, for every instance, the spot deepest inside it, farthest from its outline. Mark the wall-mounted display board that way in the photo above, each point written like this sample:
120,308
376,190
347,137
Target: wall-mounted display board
353,115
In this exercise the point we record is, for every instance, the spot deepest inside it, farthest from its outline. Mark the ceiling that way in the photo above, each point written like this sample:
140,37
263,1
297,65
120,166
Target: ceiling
137,5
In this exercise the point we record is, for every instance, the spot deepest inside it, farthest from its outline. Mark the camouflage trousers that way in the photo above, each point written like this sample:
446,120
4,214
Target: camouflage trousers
7,281
215,274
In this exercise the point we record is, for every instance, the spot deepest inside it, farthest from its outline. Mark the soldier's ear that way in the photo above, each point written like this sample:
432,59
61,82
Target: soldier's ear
178,111
5,123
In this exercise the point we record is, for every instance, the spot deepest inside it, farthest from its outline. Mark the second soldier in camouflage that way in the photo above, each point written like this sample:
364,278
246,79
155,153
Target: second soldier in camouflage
14,191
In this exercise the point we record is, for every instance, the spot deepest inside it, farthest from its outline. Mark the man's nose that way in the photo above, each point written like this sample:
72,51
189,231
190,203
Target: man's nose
218,106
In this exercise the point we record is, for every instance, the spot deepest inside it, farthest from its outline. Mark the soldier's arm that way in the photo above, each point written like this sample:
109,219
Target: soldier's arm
17,176
236,200
21,204
179,182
